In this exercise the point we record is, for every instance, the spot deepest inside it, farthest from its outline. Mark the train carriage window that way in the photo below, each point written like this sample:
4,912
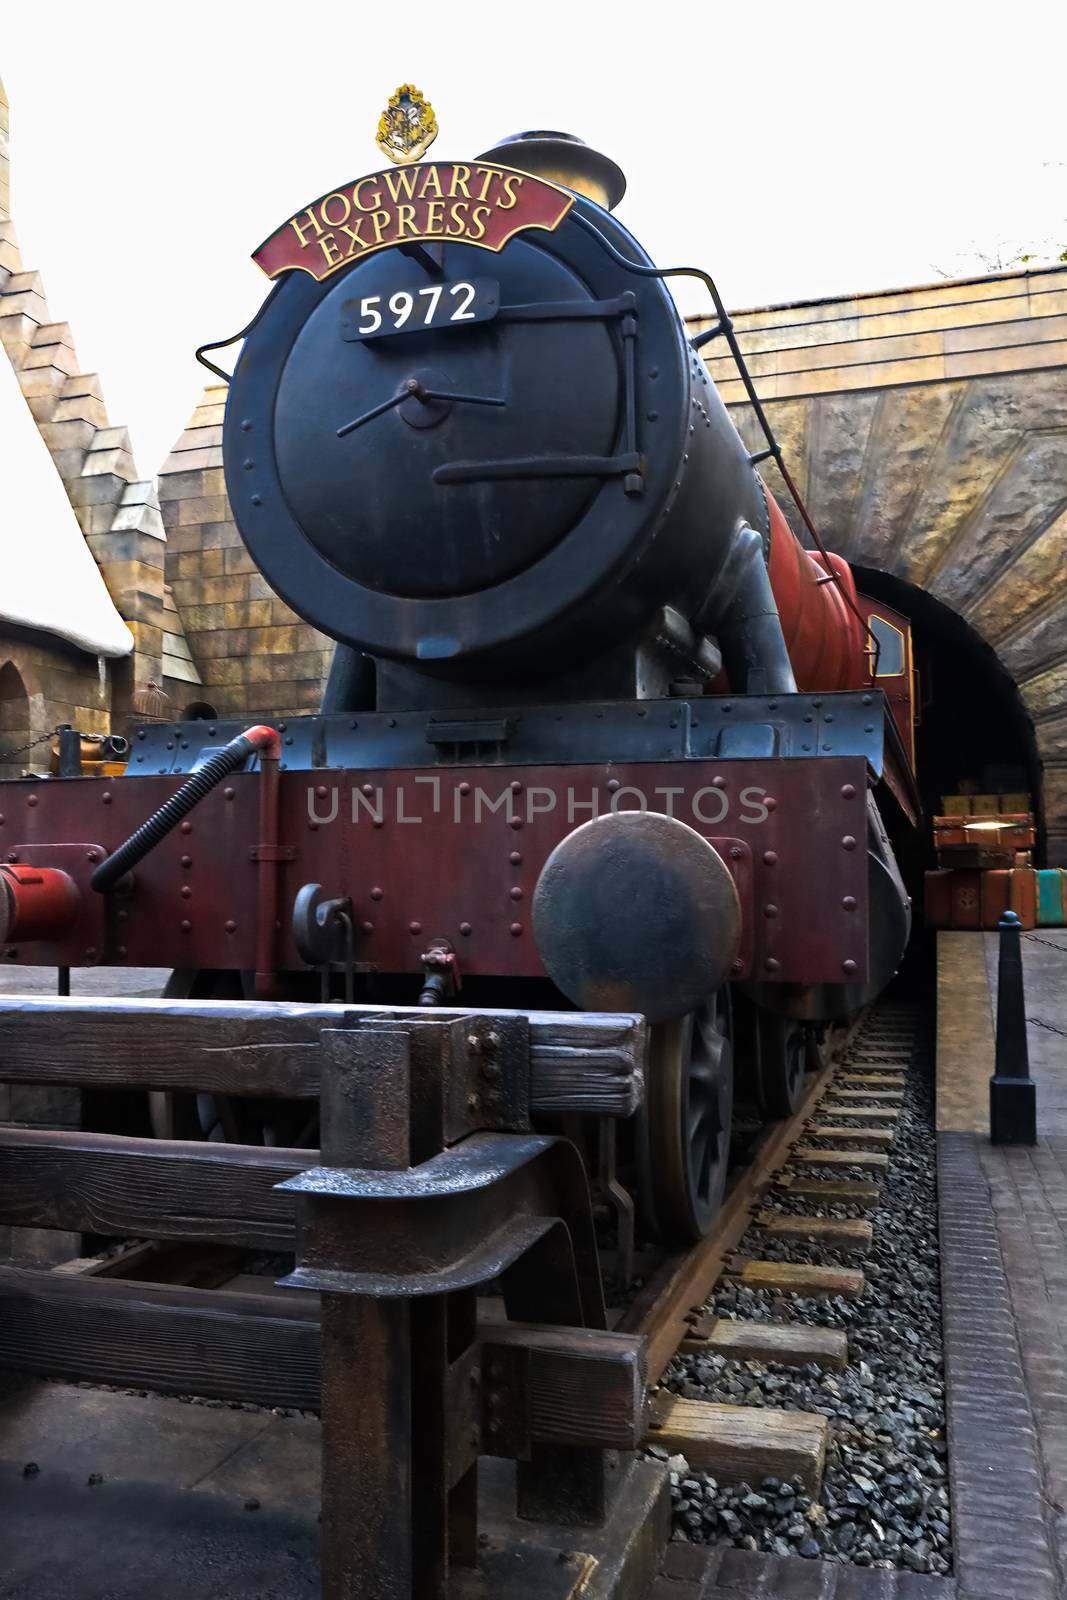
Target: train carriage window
891,654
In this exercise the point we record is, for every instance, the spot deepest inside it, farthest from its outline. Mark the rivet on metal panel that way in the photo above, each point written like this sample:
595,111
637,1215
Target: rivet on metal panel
367,927
848,791
186,827
772,964
465,928
515,822
187,861
105,797
770,858
848,842
516,893
515,857
414,927
770,911
464,788
770,802
516,786
718,783
185,891
31,800
736,852
185,925
613,784
848,966
376,893
231,926
368,788
849,902
227,793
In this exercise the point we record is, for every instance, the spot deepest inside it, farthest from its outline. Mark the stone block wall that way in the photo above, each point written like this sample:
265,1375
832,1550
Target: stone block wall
254,655
118,512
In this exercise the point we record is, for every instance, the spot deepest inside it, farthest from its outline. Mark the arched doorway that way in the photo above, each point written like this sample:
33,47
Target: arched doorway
14,722
974,727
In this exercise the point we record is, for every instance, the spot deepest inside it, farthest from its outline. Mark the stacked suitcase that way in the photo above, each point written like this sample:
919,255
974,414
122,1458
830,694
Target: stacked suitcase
984,866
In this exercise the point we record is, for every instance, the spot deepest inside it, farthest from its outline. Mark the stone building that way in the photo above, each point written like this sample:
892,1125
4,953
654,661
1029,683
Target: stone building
85,623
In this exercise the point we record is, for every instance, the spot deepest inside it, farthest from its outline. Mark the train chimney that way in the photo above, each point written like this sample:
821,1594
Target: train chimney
563,159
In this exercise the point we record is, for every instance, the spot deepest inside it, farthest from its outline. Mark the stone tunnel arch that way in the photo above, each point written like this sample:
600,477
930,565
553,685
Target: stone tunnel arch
15,730
975,726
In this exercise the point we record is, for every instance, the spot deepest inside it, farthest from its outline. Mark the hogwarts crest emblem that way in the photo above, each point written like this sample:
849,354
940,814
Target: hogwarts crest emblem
407,127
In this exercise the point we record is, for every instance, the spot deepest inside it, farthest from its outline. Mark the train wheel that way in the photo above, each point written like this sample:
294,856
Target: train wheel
783,1063
684,1137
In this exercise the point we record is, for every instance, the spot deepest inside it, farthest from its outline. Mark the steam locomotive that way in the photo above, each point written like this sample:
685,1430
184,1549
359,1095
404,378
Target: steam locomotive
598,730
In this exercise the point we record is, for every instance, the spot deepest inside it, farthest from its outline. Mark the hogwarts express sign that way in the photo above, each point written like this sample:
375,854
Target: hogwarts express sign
470,202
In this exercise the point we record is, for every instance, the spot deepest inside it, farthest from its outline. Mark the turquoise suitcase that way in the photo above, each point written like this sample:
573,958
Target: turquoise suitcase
1052,897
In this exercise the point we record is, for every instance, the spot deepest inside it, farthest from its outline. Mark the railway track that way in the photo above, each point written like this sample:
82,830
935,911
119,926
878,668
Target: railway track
812,1182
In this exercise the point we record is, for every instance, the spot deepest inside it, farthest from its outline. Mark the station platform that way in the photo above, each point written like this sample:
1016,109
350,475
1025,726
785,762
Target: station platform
1003,1213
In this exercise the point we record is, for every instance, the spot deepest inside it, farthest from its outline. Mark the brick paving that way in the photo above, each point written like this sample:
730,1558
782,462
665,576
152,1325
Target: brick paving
693,1572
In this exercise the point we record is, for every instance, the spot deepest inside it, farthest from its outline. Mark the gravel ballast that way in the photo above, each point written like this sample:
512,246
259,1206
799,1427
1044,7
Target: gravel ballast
884,1499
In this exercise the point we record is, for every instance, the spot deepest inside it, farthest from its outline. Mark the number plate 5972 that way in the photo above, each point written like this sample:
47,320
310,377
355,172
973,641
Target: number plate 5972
431,305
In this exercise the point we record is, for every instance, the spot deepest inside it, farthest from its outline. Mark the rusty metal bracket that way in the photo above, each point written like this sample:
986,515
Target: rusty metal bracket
436,1227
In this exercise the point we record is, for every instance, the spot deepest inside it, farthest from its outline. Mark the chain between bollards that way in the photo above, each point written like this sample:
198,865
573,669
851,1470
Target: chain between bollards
1012,1091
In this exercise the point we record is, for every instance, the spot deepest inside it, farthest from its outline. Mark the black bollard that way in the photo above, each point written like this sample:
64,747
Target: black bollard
1012,1091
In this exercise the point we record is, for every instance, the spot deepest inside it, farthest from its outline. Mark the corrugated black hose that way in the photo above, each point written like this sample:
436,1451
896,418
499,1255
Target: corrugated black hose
159,824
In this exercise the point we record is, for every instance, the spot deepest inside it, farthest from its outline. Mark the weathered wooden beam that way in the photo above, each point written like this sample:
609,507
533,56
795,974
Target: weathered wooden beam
583,1386
883,1114
176,1340
810,1157
579,1386
154,1188
794,1277
833,1191
790,1344
850,1235
579,1061
883,1096
876,1136
742,1444
872,1080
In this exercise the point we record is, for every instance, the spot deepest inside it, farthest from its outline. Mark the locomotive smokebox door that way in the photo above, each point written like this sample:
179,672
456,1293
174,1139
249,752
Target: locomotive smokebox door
634,911
469,431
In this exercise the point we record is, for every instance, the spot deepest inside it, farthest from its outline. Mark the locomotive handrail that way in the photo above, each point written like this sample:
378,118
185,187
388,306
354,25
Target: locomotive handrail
725,326
224,344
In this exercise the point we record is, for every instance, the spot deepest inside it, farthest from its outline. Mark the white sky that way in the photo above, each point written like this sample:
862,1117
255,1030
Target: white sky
793,149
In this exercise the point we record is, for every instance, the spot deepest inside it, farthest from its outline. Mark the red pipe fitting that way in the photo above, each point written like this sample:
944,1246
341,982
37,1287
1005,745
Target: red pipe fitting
36,902
265,740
